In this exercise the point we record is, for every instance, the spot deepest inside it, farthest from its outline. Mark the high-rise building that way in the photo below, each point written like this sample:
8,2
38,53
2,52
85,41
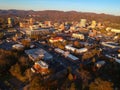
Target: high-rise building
26,23
10,22
93,24
31,21
83,22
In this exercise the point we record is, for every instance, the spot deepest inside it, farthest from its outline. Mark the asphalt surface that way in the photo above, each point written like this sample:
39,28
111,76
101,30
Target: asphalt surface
65,62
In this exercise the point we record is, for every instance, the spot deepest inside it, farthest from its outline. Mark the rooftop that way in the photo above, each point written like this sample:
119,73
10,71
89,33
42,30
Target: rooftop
42,64
37,53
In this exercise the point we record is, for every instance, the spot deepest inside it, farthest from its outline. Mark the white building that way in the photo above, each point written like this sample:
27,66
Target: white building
110,44
66,54
70,48
118,55
82,50
59,50
18,46
37,32
99,64
78,36
115,30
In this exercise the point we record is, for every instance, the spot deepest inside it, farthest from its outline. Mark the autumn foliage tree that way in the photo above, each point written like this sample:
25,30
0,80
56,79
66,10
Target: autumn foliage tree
1,35
26,43
36,83
76,44
100,84
7,58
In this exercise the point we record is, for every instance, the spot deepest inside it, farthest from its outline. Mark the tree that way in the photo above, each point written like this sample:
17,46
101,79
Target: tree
1,35
28,74
118,50
26,43
23,61
36,84
70,76
61,46
85,76
15,70
3,65
100,84
93,60
72,87
76,44
7,59
69,69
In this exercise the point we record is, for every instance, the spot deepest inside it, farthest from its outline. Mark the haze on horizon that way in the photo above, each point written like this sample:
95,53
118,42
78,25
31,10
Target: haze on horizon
96,6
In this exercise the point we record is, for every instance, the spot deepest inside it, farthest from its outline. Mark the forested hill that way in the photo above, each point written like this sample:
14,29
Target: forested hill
54,15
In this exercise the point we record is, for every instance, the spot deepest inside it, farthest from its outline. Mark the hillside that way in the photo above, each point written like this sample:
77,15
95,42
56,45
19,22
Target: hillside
63,16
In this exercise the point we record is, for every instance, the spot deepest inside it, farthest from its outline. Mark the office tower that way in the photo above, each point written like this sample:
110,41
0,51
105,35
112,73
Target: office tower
93,24
83,22
10,22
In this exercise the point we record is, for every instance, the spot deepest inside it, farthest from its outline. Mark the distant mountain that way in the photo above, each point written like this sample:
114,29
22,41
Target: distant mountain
55,15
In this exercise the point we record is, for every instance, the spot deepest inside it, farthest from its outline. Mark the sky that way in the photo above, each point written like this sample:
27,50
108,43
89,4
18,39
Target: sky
97,6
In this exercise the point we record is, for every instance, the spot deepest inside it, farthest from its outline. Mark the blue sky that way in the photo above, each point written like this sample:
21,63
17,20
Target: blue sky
97,6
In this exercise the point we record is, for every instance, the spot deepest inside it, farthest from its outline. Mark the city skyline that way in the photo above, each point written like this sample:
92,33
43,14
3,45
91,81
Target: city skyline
96,6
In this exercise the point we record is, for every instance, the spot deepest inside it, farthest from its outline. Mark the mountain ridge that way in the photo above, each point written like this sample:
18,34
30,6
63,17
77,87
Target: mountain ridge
55,15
